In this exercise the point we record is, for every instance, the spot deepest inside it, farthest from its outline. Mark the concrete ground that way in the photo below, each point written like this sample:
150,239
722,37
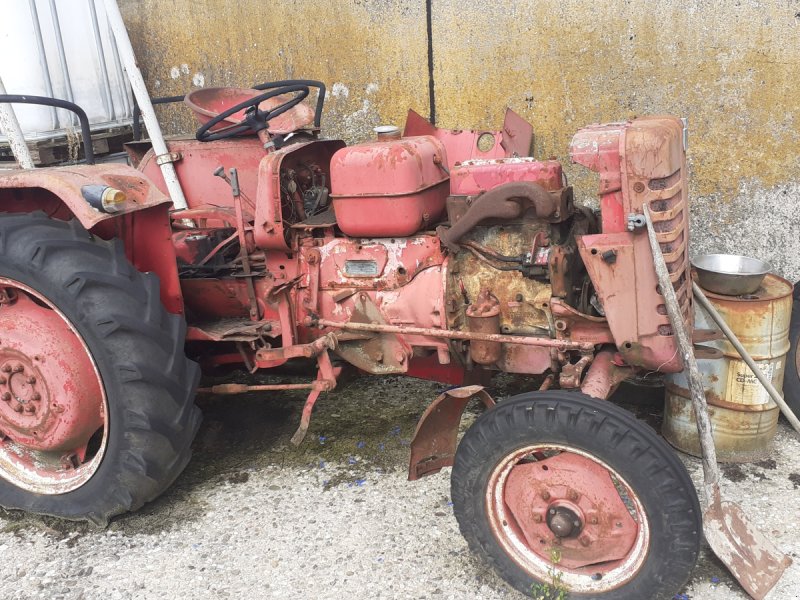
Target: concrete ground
254,517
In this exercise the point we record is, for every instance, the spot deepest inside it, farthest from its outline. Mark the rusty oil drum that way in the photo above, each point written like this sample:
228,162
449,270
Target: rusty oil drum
743,416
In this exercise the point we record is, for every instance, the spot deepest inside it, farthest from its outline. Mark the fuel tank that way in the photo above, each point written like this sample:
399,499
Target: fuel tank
389,188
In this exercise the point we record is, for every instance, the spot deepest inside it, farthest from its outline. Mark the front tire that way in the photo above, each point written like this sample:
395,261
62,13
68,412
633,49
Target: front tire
96,395
562,493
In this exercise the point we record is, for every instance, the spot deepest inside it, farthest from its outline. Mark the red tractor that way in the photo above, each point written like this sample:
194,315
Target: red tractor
440,254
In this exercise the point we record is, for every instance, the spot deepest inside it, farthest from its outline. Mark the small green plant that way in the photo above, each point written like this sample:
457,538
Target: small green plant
553,589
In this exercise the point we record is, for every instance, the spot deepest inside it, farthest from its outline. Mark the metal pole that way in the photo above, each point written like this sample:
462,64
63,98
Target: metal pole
140,92
10,127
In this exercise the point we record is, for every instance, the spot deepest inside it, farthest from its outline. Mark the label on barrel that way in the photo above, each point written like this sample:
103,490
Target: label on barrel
744,387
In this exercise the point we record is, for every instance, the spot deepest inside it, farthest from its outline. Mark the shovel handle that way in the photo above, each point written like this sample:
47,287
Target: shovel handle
773,393
710,468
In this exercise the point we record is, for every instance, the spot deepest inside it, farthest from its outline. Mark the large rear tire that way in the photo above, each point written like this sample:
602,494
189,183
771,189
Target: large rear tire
96,395
564,494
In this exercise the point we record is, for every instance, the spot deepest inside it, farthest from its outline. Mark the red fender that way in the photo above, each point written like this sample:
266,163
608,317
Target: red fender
434,443
142,223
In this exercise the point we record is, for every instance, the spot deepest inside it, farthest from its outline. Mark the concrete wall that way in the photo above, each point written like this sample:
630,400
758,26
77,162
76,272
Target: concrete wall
732,67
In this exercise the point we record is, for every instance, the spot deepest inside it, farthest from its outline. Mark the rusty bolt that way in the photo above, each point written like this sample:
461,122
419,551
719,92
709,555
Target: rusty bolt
584,540
593,521
6,368
638,187
545,495
31,379
537,518
18,369
30,408
573,495
36,396
2,380
18,407
6,396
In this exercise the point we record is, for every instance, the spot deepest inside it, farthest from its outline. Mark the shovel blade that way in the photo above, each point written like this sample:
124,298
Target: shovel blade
750,557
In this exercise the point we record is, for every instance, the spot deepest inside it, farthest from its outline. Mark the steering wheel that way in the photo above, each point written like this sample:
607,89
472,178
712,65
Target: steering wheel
254,119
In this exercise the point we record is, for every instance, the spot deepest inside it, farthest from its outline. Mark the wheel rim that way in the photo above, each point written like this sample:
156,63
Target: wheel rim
561,514
53,408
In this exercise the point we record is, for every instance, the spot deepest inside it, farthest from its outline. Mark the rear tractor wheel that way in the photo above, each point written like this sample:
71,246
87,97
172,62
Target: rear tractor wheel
568,496
96,395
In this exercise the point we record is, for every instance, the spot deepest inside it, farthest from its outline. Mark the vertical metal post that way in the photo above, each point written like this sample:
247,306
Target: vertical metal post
140,92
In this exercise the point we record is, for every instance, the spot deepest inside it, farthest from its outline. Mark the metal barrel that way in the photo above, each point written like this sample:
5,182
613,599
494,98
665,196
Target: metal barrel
743,416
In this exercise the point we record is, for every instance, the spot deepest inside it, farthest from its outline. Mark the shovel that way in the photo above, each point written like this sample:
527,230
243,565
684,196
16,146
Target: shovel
752,559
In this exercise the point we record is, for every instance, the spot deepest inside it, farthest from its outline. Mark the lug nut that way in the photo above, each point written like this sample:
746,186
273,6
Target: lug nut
31,379
573,495
30,408
2,380
545,495
593,521
7,368
18,369
18,407
6,396
36,396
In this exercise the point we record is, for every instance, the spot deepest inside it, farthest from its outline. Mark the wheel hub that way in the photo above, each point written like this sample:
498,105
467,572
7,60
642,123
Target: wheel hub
22,390
50,397
563,521
570,502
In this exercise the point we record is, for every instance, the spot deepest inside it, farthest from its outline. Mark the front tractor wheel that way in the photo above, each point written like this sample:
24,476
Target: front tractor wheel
565,495
96,395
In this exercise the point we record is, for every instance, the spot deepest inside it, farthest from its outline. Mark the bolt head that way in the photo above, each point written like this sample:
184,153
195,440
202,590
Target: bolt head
545,495
2,380
30,408
18,407
584,540
552,511
537,518
36,396
6,368
573,495
6,396
593,521
18,369
31,379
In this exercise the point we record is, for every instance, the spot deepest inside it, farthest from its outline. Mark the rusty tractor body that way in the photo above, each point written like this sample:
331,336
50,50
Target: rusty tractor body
434,253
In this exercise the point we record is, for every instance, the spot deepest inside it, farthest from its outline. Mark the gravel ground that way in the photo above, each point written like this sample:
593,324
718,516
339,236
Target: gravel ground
254,517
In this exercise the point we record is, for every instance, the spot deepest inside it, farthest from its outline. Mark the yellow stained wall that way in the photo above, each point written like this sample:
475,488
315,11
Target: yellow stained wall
731,66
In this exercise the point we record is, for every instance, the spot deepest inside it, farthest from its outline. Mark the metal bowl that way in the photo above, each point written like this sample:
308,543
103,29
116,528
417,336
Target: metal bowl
730,274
